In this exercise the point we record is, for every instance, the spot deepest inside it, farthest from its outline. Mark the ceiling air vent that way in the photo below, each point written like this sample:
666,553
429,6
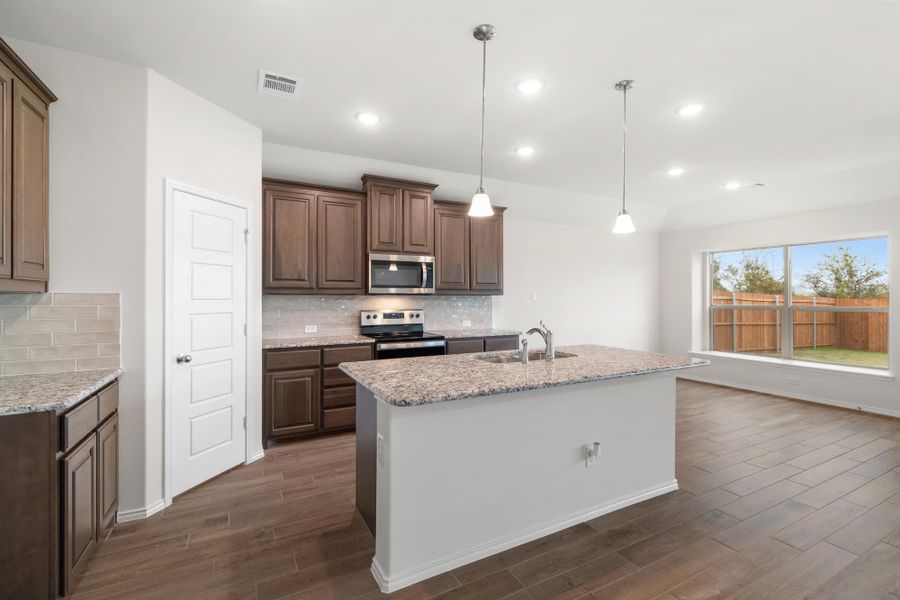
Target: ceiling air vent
275,84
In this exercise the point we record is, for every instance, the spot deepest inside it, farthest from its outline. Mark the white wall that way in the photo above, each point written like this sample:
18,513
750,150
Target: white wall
592,286
683,316
98,134
117,132
193,141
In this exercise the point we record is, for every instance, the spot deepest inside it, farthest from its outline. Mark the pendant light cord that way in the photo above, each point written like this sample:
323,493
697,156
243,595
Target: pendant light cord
624,136
483,96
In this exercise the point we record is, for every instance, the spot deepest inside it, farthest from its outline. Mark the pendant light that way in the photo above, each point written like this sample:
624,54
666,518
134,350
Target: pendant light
481,202
624,224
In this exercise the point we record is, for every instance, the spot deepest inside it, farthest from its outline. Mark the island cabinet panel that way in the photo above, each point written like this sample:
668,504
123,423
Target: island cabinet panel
451,239
418,222
306,405
24,176
293,402
79,476
385,218
341,247
486,267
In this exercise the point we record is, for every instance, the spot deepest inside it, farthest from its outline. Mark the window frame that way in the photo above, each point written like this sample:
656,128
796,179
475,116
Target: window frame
786,311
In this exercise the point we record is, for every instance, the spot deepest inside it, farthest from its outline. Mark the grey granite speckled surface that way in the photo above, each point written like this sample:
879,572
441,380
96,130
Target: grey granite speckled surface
316,340
470,332
429,379
50,391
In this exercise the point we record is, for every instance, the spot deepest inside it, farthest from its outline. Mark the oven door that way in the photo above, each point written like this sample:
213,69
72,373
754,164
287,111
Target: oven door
401,274
408,349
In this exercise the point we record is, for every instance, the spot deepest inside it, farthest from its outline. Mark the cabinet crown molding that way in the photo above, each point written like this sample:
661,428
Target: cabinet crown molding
404,183
24,72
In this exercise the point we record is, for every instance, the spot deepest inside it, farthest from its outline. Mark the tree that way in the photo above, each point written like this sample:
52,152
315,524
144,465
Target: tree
845,275
750,275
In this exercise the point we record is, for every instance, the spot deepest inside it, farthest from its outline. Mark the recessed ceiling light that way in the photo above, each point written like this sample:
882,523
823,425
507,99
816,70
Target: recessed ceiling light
733,185
691,110
675,172
530,86
367,118
525,151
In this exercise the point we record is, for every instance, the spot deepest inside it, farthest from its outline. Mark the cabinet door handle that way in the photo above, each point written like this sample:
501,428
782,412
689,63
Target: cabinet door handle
183,359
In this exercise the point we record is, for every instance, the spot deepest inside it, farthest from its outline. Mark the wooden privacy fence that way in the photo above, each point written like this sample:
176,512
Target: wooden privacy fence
736,330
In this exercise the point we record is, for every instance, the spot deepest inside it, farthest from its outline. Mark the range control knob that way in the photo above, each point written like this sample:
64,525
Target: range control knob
368,316
418,315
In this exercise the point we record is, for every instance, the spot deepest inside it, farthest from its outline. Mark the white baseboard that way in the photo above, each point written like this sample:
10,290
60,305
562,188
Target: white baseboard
256,457
391,584
796,396
140,513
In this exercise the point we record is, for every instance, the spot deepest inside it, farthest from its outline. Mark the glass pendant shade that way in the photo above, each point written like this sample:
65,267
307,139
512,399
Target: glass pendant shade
481,205
624,224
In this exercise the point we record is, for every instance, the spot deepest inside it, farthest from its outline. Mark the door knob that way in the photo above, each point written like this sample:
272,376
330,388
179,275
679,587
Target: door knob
183,359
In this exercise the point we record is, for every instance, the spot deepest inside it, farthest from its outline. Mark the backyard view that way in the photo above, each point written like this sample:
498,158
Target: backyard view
839,302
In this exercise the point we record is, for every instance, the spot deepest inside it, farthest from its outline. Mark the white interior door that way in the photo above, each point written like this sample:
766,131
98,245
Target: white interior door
208,333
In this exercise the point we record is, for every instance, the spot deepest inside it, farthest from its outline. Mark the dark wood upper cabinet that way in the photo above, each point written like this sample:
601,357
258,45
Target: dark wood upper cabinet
289,238
400,216
24,176
293,402
418,222
385,217
486,262
468,250
341,243
6,107
313,239
451,243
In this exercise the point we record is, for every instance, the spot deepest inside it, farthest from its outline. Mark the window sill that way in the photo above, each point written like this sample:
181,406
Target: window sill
805,365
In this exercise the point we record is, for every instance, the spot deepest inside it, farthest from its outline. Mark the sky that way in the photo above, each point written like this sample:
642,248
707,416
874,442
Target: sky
805,257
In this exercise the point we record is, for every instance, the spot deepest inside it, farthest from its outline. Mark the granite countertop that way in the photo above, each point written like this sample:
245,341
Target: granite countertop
50,391
468,332
429,379
316,340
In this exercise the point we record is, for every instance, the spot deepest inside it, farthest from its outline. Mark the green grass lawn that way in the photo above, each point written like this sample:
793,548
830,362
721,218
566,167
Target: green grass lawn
841,356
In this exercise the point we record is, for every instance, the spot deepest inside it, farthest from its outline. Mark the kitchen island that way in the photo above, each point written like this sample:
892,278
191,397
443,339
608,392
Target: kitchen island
460,457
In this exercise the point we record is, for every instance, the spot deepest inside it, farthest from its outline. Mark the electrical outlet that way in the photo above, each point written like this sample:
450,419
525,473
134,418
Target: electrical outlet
467,323
592,454
379,449
312,328
534,296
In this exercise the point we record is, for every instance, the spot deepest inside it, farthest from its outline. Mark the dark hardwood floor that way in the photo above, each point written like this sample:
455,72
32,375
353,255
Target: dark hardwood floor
779,500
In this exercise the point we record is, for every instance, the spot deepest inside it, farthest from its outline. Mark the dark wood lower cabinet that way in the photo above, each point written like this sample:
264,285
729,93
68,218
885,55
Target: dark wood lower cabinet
294,402
498,344
305,392
79,493
465,345
60,481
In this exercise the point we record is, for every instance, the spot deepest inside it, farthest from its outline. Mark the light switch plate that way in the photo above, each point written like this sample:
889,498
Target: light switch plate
534,296
379,449
312,328
467,323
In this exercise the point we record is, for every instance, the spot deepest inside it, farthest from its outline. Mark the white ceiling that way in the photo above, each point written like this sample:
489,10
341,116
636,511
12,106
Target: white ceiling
797,91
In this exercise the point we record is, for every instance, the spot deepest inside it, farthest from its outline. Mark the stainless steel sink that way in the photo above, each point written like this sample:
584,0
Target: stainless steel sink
516,357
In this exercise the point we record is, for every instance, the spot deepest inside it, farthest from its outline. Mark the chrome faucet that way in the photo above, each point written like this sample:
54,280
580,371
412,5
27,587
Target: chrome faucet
545,333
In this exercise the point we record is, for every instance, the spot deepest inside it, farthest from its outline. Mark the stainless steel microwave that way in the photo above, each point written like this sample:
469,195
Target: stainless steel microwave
401,274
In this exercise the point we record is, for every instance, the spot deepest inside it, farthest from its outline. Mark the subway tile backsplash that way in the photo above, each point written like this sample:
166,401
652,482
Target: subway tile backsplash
288,316
51,333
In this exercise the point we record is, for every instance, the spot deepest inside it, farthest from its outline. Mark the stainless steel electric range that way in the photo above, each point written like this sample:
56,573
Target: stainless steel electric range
400,333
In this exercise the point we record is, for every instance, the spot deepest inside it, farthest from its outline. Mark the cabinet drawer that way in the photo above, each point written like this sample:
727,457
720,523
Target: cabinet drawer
79,422
335,356
291,359
339,396
340,417
333,377
465,346
496,344
108,400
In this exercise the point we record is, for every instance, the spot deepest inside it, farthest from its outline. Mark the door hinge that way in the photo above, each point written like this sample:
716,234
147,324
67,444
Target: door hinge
245,329
246,235
245,422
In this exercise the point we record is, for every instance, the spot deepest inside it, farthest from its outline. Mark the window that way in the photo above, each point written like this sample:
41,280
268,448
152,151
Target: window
825,302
